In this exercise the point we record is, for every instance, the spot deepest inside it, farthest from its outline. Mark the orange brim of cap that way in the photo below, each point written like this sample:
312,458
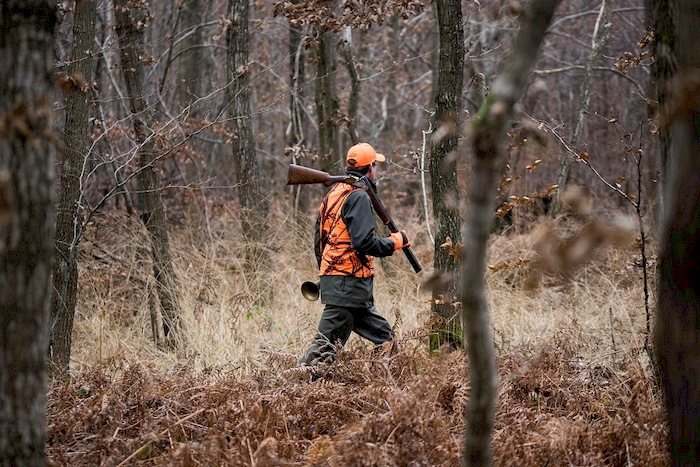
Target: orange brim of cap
380,157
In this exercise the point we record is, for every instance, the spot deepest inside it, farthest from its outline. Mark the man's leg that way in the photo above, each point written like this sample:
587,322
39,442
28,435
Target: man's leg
334,329
371,325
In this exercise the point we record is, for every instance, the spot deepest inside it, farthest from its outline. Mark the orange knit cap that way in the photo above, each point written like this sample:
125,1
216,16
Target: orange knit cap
363,154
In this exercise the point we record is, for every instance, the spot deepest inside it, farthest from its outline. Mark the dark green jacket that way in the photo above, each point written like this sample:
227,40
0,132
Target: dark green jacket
357,213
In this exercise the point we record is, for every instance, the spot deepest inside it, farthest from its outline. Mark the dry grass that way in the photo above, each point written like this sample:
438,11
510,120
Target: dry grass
575,387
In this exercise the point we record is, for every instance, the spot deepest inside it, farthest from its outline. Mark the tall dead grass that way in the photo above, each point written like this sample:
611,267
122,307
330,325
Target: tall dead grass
575,386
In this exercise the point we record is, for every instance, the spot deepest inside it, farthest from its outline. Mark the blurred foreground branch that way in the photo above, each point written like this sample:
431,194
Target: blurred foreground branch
489,129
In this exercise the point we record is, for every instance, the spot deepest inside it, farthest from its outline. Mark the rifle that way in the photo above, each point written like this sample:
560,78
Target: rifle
299,175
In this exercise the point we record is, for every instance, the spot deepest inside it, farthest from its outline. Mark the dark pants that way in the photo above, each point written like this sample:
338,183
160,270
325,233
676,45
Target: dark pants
334,330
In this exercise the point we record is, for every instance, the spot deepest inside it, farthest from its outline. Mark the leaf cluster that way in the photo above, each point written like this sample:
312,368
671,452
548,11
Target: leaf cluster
360,15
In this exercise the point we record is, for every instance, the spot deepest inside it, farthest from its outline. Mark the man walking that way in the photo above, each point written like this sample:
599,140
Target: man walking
345,245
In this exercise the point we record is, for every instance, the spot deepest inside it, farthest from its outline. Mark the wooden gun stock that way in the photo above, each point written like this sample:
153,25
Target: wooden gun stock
299,175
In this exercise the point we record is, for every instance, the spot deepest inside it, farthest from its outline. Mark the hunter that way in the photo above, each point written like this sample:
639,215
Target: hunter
345,246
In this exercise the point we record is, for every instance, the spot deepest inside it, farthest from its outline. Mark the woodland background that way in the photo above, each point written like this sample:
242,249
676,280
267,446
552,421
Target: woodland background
208,374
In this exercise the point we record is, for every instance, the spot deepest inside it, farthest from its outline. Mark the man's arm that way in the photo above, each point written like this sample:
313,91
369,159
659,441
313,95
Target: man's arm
357,214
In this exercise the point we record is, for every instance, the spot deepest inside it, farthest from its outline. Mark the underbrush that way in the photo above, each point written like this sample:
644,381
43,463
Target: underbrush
400,408
575,384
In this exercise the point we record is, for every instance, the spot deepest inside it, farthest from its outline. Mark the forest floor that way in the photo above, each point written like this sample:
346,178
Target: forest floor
575,386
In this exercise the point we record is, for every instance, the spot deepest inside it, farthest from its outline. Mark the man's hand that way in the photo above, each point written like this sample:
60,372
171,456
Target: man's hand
400,240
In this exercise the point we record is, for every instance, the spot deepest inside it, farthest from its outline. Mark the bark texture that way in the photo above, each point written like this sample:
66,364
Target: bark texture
191,53
327,100
660,25
677,331
443,173
253,206
27,153
489,146
244,160
68,215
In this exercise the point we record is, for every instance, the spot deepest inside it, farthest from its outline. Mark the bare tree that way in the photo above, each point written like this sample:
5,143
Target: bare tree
296,138
130,25
326,98
677,332
27,152
389,101
601,34
660,24
191,51
297,75
244,160
443,171
345,47
68,215
252,202
489,128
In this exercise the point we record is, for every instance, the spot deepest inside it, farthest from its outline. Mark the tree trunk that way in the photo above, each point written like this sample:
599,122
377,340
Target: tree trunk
27,153
153,215
677,332
295,135
297,75
490,127
191,51
660,23
327,101
252,203
68,215
345,47
389,103
443,173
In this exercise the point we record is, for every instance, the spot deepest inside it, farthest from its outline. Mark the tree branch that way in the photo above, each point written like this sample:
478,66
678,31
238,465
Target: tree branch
488,142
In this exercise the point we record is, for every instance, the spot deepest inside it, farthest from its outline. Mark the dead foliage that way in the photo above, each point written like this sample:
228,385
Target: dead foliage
557,410
397,408
556,250
572,390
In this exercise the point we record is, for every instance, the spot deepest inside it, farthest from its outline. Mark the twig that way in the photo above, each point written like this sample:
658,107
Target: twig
642,247
587,163
612,336
250,452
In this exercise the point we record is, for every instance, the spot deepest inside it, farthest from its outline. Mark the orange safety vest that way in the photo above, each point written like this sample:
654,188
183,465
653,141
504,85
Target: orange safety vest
338,258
